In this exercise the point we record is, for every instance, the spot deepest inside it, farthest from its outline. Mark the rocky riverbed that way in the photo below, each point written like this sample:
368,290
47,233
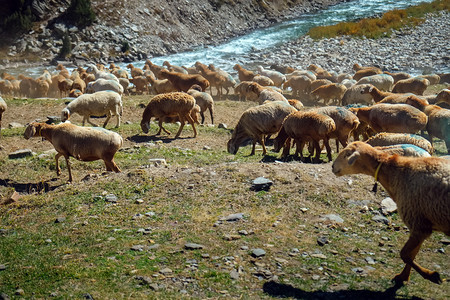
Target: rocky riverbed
423,49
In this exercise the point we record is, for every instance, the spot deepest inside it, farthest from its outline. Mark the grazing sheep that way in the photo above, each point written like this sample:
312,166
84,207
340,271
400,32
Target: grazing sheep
413,85
366,72
82,143
398,76
243,74
438,124
303,127
242,89
265,94
299,84
404,150
203,100
419,186
183,82
376,94
356,95
104,85
432,78
401,118
345,122
357,67
174,68
382,82
277,77
97,104
329,92
263,80
161,86
176,119
255,122
174,104
3,108
388,139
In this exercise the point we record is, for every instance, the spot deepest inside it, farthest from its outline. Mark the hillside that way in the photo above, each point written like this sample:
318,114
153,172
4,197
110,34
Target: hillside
143,29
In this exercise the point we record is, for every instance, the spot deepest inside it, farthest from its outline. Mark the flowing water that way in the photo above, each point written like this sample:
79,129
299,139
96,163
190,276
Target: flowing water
227,54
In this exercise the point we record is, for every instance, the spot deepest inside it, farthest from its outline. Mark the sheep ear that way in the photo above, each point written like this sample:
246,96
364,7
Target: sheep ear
352,158
370,89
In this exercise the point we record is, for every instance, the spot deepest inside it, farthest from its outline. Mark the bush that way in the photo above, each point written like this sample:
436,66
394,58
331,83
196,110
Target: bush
80,13
66,46
17,18
125,47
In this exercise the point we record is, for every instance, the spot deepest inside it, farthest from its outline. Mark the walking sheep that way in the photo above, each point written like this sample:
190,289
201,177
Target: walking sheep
97,104
419,185
258,121
169,105
82,143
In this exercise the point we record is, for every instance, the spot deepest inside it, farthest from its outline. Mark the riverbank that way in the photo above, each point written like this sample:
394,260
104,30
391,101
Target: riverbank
422,49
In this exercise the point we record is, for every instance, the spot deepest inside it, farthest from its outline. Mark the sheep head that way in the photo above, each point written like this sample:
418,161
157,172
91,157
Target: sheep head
232,147
65,114
32,129
145,126
353,159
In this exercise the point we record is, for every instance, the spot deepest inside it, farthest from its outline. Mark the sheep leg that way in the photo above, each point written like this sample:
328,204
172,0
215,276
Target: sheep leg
160,123
58,169
111,166
203,117
88,118
212,117
108,117
191,121
317,148
261,141
182,126
286,147
408,253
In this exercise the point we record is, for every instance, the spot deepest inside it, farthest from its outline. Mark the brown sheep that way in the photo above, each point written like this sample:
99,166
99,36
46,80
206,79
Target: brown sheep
366,72
183,82
413,85
82,143
161,86
135,71
265,94
300,85
263,80
141,84
419,186
401,118
242,89
329,92
398,76
244,74
174,68
303,127
214,78
169,105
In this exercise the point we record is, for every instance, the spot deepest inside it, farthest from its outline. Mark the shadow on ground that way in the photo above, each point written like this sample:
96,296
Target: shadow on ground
31,187
280,290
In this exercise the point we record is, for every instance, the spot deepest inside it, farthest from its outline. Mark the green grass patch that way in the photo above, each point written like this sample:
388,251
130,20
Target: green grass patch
382,26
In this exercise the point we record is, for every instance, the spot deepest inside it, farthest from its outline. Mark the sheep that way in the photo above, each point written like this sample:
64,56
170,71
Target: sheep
102,84
229,80
299,85
442,97
401,118
64,86
193,113
101,74
96,104
438,124
345,122
329,92
183,82
348,83
277,77
169,105
366,72
141,84
317,83
389,139
203,100
398,76
161,86
74,93
357,67
155,69
404,150
82,143
307,73
3,108
419,186
321,73
255,122
296,104
125,83
344,76
445,78
214,78
243,74
376,94
302,127
382,82
432,78
174,68
265,94
135,71
263,80
243,91
413,85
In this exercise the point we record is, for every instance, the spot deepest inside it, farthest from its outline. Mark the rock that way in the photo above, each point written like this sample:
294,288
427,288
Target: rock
158,162
53,120
381,219
20,154
370,260
258,252
192,246
19,292
234,275
138,248
222,125
261,184
2,267
318,255
15,125
332,218
322,241
14,197
4,296
166,271
388,206
60,219
445,241
111,198
233,217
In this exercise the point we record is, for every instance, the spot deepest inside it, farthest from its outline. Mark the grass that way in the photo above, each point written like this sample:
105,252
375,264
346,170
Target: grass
381,26
90,250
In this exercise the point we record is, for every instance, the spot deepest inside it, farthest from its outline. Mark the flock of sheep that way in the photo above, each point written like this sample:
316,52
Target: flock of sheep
386,109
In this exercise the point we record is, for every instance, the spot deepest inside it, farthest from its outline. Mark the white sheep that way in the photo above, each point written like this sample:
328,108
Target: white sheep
389,139
101,74
3,108
104,85
277,77
299,85
265,93
97,104
382,82
307,73
203,100
419,186
82,143
354,95
176,104
432,78
258,121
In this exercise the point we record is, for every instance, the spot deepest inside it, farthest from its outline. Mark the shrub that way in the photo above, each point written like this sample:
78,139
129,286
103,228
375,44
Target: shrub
125,47
80,13
66,46
17,17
